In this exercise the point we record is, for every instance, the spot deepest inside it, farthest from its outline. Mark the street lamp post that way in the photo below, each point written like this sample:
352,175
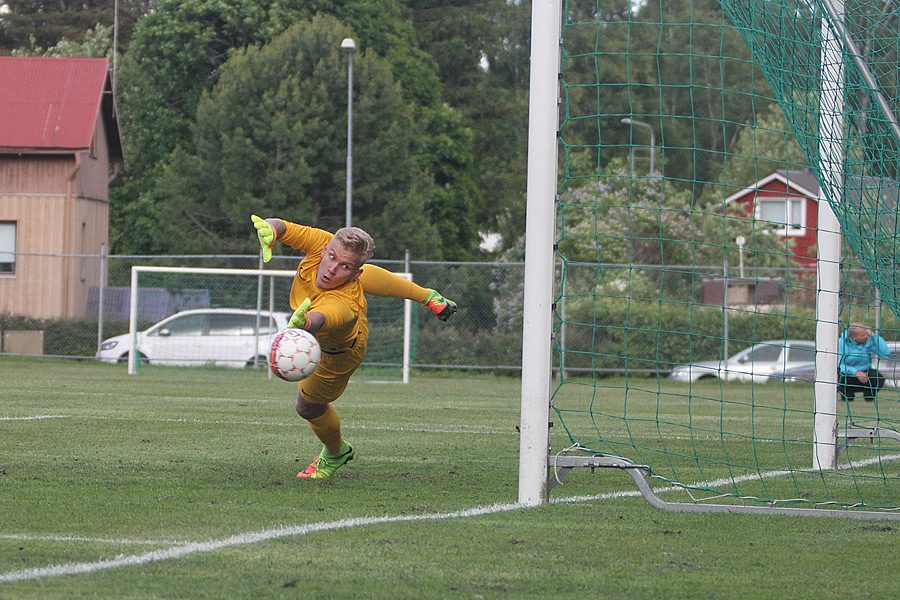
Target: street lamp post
652,143
350,46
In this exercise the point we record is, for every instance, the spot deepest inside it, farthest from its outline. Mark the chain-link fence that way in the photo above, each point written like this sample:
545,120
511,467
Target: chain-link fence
486,332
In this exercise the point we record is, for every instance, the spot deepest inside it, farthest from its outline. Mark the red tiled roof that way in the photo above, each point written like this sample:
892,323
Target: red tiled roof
53,103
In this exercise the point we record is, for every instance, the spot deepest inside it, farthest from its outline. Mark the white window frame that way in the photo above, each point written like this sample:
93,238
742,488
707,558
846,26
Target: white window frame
789,228
5,252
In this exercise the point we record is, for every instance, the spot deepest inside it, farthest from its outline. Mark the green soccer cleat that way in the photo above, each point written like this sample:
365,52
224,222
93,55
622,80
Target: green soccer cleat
324,467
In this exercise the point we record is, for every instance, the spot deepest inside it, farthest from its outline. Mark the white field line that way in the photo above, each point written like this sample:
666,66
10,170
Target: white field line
263,400
254,537
348,424
241,539
21,537
35,418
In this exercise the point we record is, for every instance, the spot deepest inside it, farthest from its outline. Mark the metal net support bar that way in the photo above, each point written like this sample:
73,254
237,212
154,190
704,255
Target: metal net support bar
560,465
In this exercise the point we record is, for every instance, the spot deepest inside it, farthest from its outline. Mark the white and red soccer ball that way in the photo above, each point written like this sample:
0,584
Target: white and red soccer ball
295,354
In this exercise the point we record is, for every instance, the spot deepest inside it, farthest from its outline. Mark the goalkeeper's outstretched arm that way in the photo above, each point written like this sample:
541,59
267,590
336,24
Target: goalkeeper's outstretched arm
381,282
374,280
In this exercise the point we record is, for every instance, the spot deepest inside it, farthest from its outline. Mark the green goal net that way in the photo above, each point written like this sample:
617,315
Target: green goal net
717,161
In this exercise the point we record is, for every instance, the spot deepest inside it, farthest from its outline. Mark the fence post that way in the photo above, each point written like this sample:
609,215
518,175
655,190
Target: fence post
101,294
259,295
407,323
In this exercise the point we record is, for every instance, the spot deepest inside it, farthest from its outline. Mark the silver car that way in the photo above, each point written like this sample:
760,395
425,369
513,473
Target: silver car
210,336
755,364
889,367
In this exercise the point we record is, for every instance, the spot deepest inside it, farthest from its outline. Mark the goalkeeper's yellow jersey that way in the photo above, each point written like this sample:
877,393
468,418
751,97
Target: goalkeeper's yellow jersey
344,308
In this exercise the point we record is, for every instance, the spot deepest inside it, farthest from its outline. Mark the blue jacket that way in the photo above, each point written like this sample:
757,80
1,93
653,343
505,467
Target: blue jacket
857,357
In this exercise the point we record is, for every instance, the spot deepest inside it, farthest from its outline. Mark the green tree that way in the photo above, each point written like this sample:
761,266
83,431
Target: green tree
177,53
35,24
677,65
628,220
97,43
764,147
612,229
482,51
264,142
705,77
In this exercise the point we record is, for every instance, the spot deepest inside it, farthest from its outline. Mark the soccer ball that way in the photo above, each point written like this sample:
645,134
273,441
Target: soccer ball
295,354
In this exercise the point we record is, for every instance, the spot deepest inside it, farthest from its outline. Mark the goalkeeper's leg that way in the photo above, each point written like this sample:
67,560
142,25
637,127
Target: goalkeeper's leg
326,424
314,404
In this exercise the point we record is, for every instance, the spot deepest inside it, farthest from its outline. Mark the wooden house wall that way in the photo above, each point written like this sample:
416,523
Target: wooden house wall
36,287
92,180
35,174
45,196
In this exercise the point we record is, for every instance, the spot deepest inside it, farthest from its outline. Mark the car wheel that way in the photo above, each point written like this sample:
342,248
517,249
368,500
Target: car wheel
140,357
261,361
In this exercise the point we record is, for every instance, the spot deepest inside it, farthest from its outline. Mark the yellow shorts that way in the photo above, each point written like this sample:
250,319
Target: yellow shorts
331,377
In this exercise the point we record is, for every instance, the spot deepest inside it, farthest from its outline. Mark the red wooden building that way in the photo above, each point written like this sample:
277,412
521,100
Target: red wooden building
789,200
59,148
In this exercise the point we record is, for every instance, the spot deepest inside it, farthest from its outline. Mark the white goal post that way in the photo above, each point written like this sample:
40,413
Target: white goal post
261,274
540,219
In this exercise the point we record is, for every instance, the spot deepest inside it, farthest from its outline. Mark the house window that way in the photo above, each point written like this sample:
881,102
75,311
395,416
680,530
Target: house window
7,248
787,212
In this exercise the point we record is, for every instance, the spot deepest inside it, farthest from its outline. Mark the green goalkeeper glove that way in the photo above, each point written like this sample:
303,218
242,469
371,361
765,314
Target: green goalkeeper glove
440,306
266,236
299,320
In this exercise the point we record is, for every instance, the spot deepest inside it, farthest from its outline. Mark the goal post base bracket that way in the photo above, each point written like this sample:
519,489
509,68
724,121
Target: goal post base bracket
561,464
864,433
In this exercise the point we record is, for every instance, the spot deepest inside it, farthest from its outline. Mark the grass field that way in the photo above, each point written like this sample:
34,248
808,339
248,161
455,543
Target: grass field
180,483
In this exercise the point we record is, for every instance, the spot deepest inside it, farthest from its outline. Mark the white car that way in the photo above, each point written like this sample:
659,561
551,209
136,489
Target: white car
755,364
209,336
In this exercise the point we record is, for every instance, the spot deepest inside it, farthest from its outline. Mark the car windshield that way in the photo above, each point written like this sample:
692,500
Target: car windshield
767,353
191,325
238,324
216,324
801,354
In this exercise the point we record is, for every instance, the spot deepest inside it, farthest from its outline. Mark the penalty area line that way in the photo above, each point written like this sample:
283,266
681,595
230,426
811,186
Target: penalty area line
242,539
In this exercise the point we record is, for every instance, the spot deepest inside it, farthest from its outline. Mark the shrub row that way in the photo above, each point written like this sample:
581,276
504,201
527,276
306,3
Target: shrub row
655,336
604,335
65,337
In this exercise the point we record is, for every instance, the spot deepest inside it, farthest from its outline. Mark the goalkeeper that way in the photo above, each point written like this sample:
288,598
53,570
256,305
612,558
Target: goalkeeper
327,295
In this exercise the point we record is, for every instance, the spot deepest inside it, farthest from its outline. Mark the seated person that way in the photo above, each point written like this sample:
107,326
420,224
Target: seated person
855,371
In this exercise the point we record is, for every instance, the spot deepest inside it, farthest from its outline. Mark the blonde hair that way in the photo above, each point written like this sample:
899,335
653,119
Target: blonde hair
358,241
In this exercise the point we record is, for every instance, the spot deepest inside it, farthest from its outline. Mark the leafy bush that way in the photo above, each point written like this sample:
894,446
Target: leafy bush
454,346
643,335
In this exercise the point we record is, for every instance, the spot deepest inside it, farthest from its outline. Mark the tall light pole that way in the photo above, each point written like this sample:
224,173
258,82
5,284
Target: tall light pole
652,143
350,46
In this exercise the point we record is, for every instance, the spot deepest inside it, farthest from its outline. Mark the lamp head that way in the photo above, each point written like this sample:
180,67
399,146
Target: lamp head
348,44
